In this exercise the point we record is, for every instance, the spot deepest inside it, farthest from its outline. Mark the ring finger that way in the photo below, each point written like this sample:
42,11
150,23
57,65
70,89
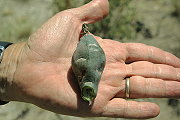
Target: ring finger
141,87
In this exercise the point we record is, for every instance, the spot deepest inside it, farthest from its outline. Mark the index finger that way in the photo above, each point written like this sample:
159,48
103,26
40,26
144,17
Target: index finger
142,52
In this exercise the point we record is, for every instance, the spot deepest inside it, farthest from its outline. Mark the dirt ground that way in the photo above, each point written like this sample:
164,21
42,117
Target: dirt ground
20,18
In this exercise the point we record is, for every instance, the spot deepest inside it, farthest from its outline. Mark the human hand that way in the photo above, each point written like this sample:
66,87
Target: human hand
43,75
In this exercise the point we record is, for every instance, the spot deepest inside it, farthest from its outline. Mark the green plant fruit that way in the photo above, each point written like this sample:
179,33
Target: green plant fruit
88,63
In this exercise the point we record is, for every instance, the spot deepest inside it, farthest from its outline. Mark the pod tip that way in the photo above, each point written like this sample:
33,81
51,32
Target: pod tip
90,103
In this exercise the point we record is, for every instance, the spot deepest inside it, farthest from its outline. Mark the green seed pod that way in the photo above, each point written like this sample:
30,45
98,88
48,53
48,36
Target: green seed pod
88,63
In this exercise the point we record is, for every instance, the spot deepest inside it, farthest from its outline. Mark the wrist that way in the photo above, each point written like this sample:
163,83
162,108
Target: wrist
8,67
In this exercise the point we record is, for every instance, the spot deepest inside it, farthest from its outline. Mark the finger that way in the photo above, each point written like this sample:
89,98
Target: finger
92,12
142,52
118,107
150,70
141,87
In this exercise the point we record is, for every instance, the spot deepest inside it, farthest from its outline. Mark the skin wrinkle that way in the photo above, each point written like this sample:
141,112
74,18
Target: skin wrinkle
50,34
171,59
70,42
165,85
141,107
122,86
173,89
129,69
126,107
68,17
98,5
159,73
166,58
168,89
162,90
55,28
128,52
148,84
145,109
150,51
12,70
123,58
11,67
34,51
41,56
103,12
126,70
156,71
177,74
20,51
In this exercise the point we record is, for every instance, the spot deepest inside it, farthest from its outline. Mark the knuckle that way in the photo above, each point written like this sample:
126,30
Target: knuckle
103,7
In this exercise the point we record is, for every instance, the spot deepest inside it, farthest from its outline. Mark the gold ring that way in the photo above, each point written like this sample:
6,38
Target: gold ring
127,91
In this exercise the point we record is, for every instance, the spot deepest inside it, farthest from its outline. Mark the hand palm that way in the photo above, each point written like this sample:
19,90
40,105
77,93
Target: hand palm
49,81
48,59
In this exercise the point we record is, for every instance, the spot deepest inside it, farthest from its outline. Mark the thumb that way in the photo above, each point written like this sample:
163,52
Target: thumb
92,12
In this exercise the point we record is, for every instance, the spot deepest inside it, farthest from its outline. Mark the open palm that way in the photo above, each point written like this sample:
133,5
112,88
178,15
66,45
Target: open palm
44,76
